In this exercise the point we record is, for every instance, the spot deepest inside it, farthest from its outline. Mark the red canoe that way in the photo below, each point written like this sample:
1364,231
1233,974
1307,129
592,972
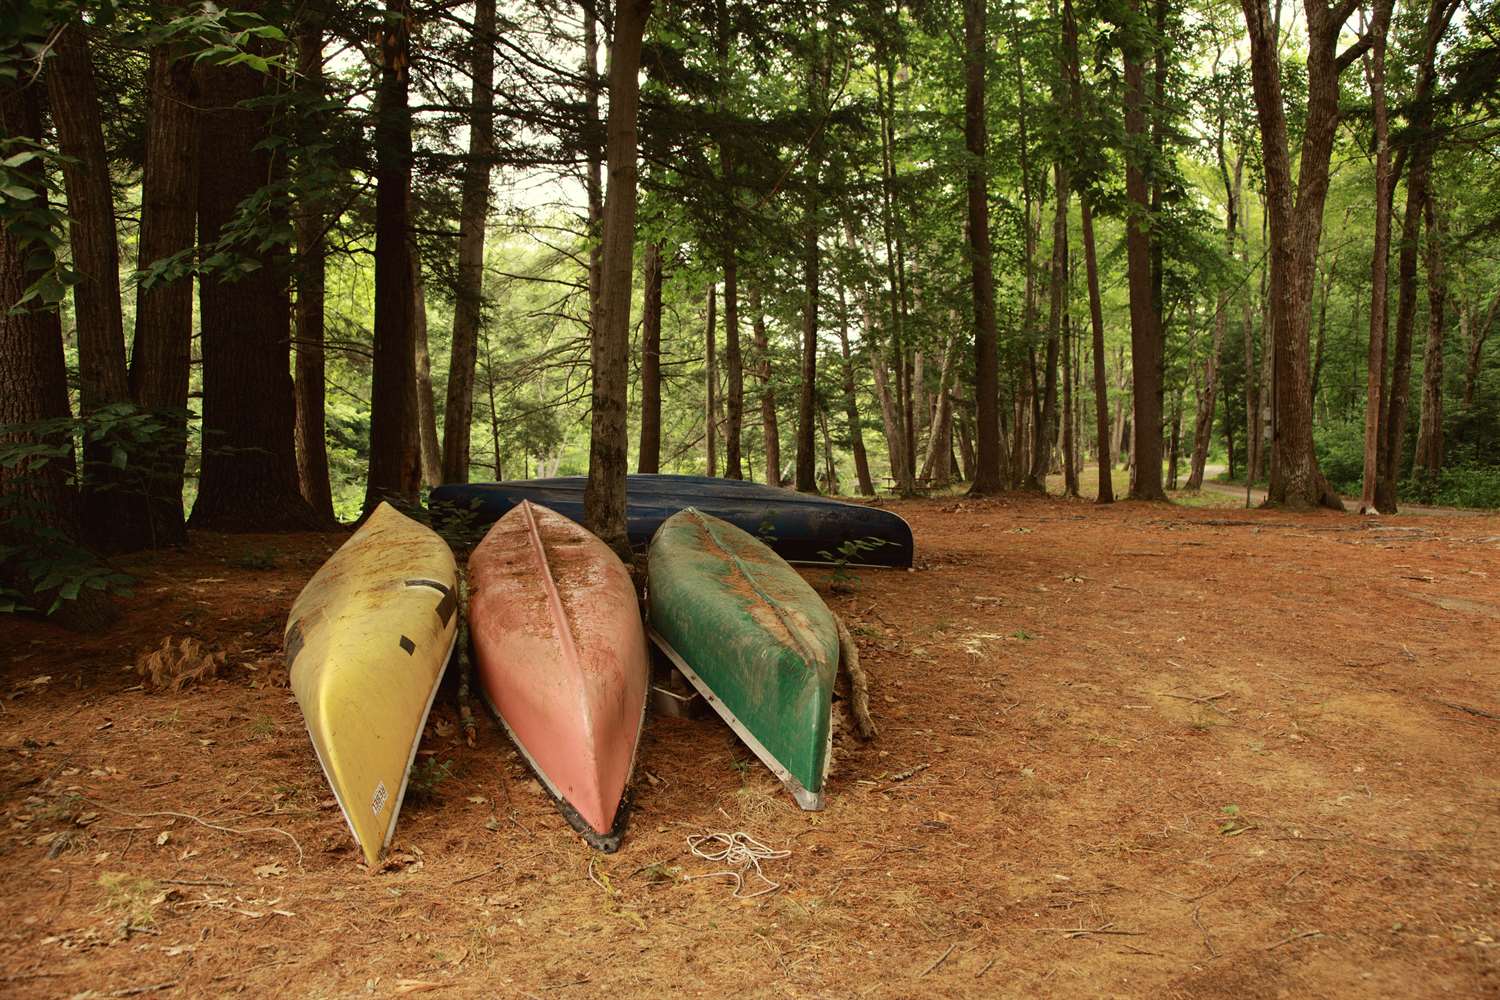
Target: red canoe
562,659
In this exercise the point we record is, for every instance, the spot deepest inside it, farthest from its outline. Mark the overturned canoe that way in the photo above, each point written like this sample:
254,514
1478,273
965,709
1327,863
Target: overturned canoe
756,641
562,660
366,642
798,527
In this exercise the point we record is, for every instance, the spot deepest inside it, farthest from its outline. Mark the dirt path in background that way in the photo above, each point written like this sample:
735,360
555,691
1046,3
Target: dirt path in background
1258,497
1130,752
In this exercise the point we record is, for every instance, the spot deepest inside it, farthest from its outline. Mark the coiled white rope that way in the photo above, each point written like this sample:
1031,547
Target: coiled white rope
740,850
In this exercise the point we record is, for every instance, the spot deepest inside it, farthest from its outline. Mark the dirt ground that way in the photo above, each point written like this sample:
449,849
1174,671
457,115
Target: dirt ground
1142,751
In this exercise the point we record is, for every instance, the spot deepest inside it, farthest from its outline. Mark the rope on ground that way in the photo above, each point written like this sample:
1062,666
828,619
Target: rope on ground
740,850
859,682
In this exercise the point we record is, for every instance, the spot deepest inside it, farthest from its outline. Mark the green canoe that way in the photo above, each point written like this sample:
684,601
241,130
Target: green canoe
753,638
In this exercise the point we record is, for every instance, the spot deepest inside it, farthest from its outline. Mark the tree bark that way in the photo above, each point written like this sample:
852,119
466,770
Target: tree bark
1295,216
1429,451
604,493
770,429
468,306
981,274
649,459
851,405
806,470
1204,419
249,471
395,449
1105,459
1146,348
892,396
102,378
734,371
311,431
1044,435
711,383
161,355
427,437
1477,333
1379,264
594,144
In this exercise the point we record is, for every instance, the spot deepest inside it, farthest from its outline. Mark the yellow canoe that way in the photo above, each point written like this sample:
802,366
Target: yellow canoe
366,643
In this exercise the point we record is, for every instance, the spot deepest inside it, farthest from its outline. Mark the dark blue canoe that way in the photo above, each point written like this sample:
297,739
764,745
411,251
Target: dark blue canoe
798,527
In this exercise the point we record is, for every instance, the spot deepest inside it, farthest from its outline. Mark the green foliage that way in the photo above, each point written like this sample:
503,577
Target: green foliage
1341,454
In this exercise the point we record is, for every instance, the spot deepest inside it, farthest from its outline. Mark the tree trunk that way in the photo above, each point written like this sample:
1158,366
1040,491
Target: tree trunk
311,433
1070,407
768,423
1044,436
427,438
1146,349
806,471
249,472
830,474
1105,459
1477,333
395,445
604,494
1429,451
711,384
936,467
1204,419
986,478
892,408
851,405
102,378
733,370
594,143
1379,263
161,355
474,207
1174,449
649,459
1295,215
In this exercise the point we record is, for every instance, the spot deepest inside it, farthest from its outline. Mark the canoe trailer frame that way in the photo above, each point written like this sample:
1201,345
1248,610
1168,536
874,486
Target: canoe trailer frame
805,798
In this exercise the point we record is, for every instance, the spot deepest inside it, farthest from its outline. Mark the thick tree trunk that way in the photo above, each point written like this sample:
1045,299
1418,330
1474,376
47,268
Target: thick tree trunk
986,478
604,494
395,446
102,378
649,459
851,404
1429,451
311,432
734,371
249,473
161,355
427,436
34,389
769,427
1146,349
1379,264
1295,216
711,383
468,306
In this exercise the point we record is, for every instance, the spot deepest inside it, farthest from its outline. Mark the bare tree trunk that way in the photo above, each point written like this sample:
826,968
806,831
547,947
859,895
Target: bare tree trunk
1146,349
96,259
1203,423
1105,458
892,407
831,475
249,472
1174,449
1322,335
733,370
427,437
395,443
769,426
1379,263
649,459
1070,406
1044,435
711,383
593,179
1295,213
1477,332
1429,451
935,469
851,405
981,277
161,355
468,306
604,494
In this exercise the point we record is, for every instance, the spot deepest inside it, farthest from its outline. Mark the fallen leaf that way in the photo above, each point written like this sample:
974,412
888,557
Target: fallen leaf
273,870
162,838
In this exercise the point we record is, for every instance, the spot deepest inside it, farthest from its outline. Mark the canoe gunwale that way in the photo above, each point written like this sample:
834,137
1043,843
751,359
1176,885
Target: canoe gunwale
808,800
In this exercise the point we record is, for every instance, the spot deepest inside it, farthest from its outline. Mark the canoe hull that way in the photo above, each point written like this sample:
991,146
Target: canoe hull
561,656
753,637
366,644
800,528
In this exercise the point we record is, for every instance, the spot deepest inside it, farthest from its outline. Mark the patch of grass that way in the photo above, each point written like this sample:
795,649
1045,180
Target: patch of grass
427,776
134,897
263,728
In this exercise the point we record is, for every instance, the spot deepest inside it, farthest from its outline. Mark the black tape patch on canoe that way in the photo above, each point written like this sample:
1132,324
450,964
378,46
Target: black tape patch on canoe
294,642
447,605
408,645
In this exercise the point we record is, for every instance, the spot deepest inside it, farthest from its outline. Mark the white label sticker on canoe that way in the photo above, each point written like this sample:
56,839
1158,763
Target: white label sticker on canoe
378,802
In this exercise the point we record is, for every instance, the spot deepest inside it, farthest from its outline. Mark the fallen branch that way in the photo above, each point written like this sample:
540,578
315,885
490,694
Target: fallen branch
859,683
1469,709
1294,937
938,961
203,822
